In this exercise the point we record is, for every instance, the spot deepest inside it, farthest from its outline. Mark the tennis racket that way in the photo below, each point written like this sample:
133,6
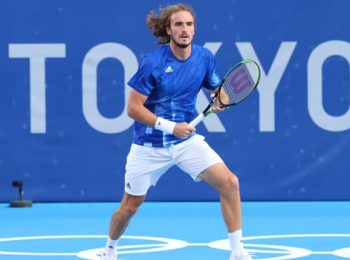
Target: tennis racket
239,82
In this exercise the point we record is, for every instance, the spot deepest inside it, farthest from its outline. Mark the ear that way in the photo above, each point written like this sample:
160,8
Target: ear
168,30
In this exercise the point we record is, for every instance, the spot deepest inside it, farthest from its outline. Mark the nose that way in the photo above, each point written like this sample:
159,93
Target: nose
185,29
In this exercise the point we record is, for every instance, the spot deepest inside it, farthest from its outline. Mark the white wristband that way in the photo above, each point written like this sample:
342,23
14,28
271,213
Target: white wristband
165,125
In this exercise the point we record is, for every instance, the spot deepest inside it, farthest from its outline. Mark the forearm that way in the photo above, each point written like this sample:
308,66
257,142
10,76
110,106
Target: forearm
146,117
143,115
140,113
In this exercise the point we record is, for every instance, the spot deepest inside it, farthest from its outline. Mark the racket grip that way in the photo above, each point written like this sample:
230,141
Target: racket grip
197,120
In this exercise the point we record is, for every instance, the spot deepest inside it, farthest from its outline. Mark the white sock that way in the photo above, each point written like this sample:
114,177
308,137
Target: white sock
236,242
111,244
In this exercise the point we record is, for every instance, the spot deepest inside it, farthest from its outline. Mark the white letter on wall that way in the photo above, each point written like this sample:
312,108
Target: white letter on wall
268,82
314,71
89,82
37,54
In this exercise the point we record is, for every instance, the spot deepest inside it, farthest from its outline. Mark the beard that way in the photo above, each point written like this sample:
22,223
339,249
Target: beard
180,45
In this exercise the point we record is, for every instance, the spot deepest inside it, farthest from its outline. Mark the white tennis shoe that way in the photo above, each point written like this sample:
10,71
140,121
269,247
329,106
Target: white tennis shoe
243,256
108,255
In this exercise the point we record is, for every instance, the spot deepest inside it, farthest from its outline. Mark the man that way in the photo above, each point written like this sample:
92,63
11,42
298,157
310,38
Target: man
162,102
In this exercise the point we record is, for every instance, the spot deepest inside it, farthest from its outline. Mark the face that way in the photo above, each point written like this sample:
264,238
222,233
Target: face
181,29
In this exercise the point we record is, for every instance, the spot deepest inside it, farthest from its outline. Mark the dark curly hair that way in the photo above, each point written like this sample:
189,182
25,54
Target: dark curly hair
159,21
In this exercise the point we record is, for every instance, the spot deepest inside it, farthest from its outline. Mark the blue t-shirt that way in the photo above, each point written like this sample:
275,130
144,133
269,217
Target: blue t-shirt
171,86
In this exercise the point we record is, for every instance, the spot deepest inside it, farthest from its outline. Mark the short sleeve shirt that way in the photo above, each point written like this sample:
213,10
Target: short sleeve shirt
171,87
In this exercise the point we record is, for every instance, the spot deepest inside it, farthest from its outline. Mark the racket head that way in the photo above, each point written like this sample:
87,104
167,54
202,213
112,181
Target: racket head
239,82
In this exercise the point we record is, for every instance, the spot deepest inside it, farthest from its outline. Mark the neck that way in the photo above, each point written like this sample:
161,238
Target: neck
179,52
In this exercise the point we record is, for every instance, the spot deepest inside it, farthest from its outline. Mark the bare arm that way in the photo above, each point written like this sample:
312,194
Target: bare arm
138,112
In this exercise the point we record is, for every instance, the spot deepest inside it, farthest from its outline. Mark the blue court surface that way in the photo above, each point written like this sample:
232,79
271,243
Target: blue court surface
174,230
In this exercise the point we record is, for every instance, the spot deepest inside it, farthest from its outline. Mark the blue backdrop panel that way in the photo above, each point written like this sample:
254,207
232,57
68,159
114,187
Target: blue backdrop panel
64,68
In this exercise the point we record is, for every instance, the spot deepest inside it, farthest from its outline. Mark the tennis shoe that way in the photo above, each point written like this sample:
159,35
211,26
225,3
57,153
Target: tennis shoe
243,256
108,254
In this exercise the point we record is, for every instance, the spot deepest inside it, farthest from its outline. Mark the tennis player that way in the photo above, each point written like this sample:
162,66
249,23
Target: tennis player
162,102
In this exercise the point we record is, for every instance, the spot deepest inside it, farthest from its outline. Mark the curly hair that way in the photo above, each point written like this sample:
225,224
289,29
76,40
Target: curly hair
159,21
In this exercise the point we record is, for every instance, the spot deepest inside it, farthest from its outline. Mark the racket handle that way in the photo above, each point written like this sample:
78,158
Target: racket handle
197,120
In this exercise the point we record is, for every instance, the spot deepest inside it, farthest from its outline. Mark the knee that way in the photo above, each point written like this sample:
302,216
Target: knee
128,210
131,209
232,183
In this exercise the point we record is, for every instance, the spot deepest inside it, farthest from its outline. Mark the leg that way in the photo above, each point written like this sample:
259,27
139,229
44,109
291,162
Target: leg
119,223
226,183
145,165
123,215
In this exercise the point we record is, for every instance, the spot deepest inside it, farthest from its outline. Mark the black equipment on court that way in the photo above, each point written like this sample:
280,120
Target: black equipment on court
20,203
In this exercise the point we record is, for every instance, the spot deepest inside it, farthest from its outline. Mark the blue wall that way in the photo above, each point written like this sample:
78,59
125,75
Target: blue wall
65,133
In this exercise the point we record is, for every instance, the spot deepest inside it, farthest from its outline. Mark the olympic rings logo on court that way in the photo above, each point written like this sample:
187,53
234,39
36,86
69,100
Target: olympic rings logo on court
158,244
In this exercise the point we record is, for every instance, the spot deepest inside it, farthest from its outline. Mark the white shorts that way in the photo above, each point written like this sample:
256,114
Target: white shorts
145,165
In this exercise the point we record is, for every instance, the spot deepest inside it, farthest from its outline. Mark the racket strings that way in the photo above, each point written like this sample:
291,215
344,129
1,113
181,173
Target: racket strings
239,83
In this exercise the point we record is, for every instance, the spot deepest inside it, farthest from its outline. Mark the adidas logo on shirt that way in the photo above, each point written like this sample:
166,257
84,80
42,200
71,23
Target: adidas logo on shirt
169,69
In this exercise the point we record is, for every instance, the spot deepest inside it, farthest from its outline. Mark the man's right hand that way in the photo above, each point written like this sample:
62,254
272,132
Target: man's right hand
183,130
